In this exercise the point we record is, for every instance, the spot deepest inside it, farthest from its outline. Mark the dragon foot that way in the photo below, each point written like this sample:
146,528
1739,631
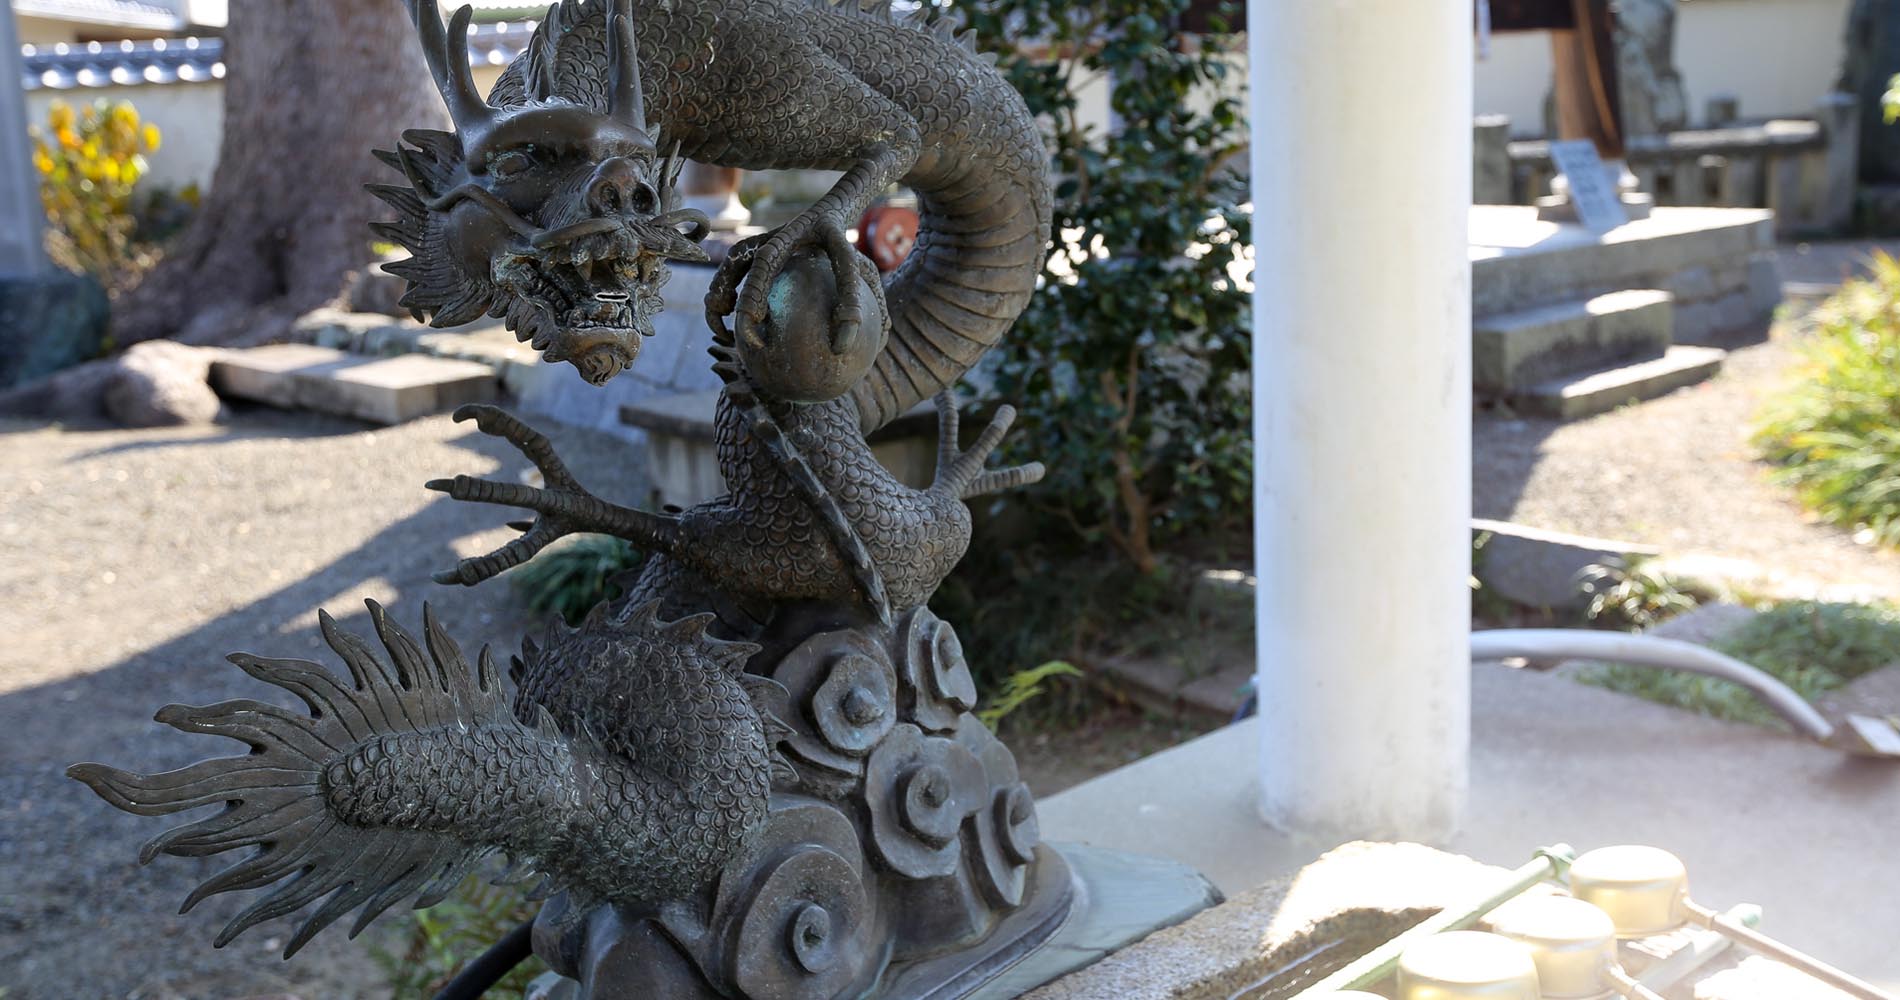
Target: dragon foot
962,473
564,507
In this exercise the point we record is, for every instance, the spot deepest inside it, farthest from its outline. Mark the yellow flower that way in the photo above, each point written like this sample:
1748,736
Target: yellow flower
124,115
60,116
151,137
68,139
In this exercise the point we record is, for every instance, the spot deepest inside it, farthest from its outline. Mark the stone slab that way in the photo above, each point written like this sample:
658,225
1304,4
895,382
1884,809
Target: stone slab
1538,568
1518,262
1591,393
380,390
1515,350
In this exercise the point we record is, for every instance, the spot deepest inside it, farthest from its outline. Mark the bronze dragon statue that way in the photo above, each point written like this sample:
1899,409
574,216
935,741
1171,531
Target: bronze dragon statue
755,774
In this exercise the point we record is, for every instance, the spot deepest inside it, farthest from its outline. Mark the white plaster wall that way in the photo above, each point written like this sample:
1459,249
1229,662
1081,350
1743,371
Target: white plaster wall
45,30
1778,56
190,117
1513,79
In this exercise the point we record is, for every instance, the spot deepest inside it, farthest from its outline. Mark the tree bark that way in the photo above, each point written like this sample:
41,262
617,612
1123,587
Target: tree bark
310,87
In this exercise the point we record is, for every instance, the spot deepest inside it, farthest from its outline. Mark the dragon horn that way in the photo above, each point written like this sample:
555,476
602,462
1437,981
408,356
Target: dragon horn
628,102
447,54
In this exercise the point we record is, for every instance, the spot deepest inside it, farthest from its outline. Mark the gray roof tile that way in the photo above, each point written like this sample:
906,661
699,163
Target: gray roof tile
195,60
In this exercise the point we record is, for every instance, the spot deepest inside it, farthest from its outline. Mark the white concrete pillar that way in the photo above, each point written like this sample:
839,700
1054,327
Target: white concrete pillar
1362,114
21,217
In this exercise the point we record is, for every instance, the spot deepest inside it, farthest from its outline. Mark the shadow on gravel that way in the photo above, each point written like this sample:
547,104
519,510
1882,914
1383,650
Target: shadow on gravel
1505,450
78,917
293,425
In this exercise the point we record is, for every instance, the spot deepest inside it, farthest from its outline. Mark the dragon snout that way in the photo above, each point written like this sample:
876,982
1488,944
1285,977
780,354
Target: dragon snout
618,189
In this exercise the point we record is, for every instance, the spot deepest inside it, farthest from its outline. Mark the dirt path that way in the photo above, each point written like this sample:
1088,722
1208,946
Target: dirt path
1678,472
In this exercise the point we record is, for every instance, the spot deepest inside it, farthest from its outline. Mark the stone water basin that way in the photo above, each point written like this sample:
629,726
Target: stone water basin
1274,941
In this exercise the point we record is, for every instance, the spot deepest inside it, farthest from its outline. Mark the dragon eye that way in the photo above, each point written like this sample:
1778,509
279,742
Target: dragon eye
510,162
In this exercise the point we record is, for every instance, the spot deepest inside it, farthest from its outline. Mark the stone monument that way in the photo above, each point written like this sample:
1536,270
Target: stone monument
49,319
757,774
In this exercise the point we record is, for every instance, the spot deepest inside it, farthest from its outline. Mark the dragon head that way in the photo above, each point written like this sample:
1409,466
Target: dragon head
549,206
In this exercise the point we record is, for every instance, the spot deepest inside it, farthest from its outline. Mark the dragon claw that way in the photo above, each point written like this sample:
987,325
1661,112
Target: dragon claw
563,508
962,472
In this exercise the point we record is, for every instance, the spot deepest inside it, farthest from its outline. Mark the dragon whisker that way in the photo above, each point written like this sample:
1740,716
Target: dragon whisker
498,208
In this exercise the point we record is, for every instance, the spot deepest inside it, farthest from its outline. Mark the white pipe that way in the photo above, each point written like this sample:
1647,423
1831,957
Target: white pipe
1651,651
1361,150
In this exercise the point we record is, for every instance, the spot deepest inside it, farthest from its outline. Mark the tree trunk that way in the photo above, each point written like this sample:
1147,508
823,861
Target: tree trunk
1872,58
311,86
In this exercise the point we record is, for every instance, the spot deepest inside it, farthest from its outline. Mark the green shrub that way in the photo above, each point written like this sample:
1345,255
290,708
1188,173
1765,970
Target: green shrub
569,579
89,164
1834,434
1813,647
1130,366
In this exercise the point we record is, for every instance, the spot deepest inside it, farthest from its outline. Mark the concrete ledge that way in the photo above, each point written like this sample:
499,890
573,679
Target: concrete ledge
1757,816
1700,255
379,390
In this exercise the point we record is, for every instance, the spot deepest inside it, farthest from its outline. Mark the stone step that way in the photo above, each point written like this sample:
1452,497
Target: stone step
379,390
1516,350
1591,393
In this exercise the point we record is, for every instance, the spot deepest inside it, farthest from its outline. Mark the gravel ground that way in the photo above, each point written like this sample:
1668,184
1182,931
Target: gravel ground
137,559
1678,472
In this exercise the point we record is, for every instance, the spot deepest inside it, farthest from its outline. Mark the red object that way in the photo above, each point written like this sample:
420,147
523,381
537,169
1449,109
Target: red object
886,234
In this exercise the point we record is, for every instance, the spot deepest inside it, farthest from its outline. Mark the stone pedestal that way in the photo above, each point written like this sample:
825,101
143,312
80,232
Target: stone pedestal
48,321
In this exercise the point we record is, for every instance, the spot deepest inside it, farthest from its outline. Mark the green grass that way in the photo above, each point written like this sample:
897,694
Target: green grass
1834,433
433,944
1813,647
1635,592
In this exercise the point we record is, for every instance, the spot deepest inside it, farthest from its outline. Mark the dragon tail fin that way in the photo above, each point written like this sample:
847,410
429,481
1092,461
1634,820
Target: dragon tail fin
374,797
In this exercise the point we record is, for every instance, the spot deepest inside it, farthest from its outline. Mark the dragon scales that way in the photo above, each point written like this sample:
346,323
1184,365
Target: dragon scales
757,773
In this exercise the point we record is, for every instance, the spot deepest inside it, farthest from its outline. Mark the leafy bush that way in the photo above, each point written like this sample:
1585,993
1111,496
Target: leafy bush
436,942
1638,592
89,164
1834,434
1811,646
1130,366
570,579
